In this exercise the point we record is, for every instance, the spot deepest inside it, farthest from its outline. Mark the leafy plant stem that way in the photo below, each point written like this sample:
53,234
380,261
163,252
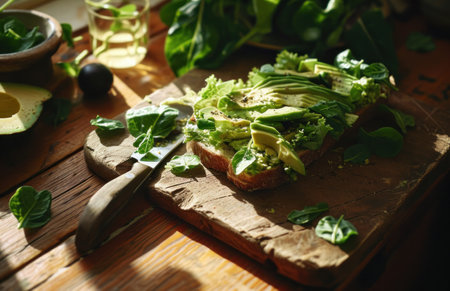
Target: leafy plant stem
3,7
335,229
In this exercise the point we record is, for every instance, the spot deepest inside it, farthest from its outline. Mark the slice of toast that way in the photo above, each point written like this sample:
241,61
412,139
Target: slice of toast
220,159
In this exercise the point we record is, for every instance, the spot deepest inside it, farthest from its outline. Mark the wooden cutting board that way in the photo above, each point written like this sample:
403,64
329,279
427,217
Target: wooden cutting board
373,197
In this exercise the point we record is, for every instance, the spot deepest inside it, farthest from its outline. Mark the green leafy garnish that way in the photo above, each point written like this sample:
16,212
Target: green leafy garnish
243,159
60,110
402,119
371,39
336,231
150,122
384,142
181,164
308,214
203,33
107,125
420,42
67,34
31,208
357,154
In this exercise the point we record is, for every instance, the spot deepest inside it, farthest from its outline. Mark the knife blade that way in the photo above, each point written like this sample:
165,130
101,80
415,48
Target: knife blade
106,203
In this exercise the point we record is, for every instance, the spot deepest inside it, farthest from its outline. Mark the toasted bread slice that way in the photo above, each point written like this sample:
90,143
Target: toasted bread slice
220,159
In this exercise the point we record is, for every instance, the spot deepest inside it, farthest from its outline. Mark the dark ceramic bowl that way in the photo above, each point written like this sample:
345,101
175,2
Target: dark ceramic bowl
34,65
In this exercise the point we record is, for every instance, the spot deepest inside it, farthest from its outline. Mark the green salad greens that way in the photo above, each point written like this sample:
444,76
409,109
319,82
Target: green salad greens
203,33
284,108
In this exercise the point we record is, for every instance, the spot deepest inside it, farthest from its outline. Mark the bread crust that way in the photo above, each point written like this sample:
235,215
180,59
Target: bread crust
276,176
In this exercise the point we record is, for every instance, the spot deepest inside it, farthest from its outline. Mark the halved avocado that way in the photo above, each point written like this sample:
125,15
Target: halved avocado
267,136
20,106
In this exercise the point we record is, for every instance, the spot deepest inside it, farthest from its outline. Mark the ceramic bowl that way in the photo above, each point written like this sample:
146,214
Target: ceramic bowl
34,65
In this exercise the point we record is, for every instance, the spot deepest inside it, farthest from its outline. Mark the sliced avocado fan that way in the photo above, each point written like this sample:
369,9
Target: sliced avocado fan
20,106
267,136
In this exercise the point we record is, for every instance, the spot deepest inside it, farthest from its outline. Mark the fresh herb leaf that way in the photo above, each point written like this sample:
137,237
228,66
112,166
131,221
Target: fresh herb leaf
357,154
243,159
384,142
336,231
420,42
60,110
403,120
31,208
371,39
345,61
149,123
181,164
107,125
206,124
67,34
376,71
308,214
335,115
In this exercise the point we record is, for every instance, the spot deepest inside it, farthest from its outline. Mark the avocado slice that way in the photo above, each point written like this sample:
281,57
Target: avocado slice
20,106
267,136
282,114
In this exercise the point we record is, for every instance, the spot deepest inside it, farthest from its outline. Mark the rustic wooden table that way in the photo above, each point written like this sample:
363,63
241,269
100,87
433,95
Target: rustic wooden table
151,249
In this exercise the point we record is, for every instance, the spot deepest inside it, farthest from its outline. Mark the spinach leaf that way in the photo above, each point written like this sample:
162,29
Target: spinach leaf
149,123
376,71
242,160
371,39
420,42
308,214
16,37
384,142
107,125
181,164
345,61
168,12
31,208
67,34
206,124
336,231
335,115
403,120
357,154
60,110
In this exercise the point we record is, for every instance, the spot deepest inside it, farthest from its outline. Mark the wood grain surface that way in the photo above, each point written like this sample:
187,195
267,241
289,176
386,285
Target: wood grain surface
372,196
150,248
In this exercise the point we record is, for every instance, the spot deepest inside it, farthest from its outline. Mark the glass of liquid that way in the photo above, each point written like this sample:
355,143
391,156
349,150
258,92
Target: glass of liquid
119,31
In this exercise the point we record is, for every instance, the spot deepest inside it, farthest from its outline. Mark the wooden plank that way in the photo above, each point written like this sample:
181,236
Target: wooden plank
372,197
53,143
159,253
71,184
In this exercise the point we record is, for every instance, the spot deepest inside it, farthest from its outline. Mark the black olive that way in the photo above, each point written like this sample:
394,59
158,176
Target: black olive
95,80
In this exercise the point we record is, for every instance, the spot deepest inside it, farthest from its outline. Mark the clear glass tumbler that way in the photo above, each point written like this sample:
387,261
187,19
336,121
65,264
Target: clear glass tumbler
119,31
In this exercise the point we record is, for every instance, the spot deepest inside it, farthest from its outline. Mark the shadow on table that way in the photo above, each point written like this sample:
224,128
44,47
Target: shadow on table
8,282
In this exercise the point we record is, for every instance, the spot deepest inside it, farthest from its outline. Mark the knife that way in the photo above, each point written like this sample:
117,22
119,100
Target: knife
114,195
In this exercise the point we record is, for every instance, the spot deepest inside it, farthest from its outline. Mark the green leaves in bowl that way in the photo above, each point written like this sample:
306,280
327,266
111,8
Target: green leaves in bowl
30,207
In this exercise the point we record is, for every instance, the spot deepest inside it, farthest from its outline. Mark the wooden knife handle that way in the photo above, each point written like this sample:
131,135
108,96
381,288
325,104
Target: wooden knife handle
105,204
